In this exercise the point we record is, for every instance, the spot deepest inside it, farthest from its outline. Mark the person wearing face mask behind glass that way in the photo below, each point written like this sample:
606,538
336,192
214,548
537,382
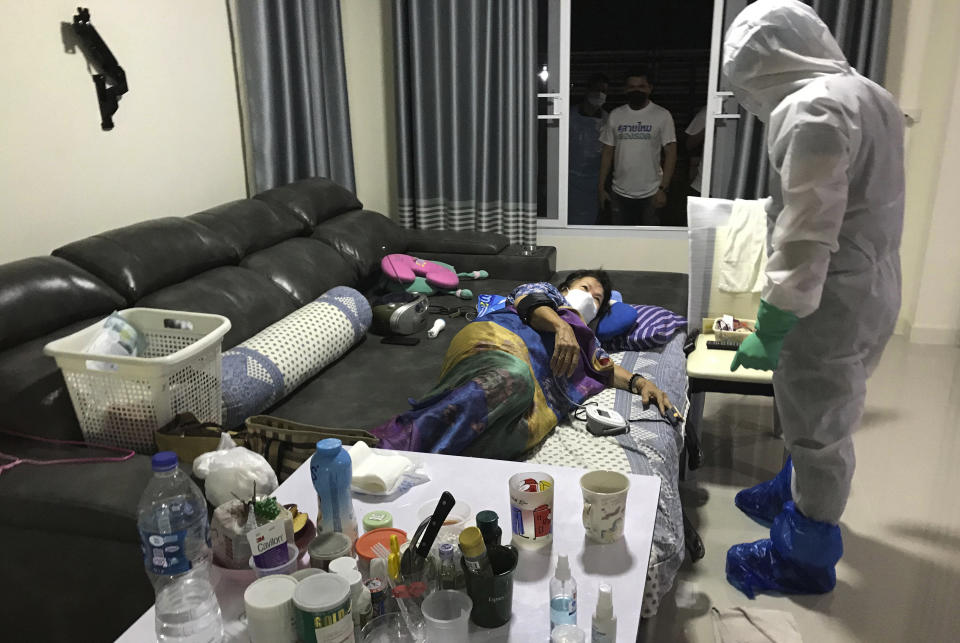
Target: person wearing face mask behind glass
586,123
632,142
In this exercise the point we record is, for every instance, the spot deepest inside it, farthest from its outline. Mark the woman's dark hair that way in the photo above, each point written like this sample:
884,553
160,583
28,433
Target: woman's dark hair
600,275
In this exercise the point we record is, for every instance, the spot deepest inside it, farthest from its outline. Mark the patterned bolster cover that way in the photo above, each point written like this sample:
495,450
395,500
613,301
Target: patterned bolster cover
275,361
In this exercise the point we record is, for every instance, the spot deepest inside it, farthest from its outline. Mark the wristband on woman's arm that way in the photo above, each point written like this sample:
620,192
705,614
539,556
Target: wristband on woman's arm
633,380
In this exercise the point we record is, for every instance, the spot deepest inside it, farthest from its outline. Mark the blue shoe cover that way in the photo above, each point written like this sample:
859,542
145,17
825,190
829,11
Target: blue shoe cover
764,501
798,558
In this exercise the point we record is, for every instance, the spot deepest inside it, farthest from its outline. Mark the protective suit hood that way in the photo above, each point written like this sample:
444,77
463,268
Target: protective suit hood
775,47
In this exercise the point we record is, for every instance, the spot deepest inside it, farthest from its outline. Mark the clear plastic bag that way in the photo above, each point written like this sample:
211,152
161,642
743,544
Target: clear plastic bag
397,473
232,472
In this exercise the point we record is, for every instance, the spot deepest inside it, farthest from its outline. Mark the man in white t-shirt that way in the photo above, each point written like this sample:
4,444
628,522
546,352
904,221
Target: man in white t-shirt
633,139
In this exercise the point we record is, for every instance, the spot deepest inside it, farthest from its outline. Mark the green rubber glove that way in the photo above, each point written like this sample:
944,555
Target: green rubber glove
761,350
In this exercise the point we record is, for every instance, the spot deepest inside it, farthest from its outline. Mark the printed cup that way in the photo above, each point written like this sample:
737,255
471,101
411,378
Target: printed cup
604,504
531,509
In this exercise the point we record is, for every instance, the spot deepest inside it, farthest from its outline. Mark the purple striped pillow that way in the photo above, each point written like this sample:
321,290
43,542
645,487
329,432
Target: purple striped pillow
654,327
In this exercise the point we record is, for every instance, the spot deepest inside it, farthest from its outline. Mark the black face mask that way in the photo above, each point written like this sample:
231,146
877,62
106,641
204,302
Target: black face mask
637,99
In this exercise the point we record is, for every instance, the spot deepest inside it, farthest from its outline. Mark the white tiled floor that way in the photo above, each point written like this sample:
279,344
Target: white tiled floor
899,579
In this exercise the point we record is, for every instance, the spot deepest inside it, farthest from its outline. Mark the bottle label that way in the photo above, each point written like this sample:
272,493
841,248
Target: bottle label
332,625
165,553
601,634
268,544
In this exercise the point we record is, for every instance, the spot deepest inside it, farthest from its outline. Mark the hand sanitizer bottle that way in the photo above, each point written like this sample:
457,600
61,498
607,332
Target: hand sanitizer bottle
563,595
604,622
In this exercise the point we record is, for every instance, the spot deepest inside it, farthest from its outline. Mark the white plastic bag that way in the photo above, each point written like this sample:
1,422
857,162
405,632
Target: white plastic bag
231,472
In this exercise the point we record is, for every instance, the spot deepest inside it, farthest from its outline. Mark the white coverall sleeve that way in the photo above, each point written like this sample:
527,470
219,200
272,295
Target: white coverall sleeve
811,159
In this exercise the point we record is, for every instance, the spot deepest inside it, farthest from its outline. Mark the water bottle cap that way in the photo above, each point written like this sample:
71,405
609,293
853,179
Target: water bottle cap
329,447
164,461
446,550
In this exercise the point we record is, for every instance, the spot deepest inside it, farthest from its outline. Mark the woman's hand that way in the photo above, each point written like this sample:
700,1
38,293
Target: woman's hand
649,392
566,350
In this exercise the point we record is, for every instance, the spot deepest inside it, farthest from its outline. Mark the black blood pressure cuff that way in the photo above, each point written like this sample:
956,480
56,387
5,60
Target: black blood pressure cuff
531,302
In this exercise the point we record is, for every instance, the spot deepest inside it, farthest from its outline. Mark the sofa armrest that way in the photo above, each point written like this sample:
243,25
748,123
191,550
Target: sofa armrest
455,242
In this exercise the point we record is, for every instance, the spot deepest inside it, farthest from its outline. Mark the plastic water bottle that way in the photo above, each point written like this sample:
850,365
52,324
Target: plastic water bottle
331,471
175,539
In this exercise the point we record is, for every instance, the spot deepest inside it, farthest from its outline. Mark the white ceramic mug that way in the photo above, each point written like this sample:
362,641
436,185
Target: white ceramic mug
604,504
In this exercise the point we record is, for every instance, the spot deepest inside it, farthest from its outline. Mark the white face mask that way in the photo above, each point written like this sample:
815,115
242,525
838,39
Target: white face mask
596,99
583,302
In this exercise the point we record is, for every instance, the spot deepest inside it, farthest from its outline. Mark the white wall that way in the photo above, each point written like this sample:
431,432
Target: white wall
922,71
368,51
663,251
937,317
175,148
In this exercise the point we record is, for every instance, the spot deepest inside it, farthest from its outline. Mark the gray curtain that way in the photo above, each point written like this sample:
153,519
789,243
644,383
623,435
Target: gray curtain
862,28
293,91
466,115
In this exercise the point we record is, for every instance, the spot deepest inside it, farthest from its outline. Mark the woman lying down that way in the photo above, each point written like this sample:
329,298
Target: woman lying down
510,376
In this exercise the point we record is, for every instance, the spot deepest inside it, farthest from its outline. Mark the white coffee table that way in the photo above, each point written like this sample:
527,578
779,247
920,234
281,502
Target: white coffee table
483,485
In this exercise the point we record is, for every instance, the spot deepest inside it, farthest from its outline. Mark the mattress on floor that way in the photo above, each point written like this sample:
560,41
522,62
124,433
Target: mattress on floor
652,447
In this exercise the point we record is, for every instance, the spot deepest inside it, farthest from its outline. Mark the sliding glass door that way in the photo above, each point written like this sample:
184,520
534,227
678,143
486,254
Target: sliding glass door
588,50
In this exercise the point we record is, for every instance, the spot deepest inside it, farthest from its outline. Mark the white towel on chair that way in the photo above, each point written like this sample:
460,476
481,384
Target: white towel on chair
744,260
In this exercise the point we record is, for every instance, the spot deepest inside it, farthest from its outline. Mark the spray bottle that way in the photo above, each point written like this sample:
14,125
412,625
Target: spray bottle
563,595
604,622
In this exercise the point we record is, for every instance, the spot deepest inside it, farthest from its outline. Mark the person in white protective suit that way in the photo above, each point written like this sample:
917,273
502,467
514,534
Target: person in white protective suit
832,290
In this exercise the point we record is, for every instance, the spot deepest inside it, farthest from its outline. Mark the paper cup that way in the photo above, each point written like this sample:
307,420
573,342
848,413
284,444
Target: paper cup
531,509
604,504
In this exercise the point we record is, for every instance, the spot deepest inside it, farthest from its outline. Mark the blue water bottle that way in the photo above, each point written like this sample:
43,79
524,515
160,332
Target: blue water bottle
331,470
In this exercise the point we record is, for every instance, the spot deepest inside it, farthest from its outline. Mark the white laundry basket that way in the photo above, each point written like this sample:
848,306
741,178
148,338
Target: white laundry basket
124,404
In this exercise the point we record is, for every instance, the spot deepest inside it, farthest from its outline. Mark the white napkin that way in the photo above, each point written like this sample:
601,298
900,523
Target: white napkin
744,261
373,472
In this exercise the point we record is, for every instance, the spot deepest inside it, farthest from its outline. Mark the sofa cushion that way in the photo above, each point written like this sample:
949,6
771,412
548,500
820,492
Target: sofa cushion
312,200
142,258
249,225
249,300
40,294
509,263
305,268
466,242
92,499
33,395
363,238
72,597
374,381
